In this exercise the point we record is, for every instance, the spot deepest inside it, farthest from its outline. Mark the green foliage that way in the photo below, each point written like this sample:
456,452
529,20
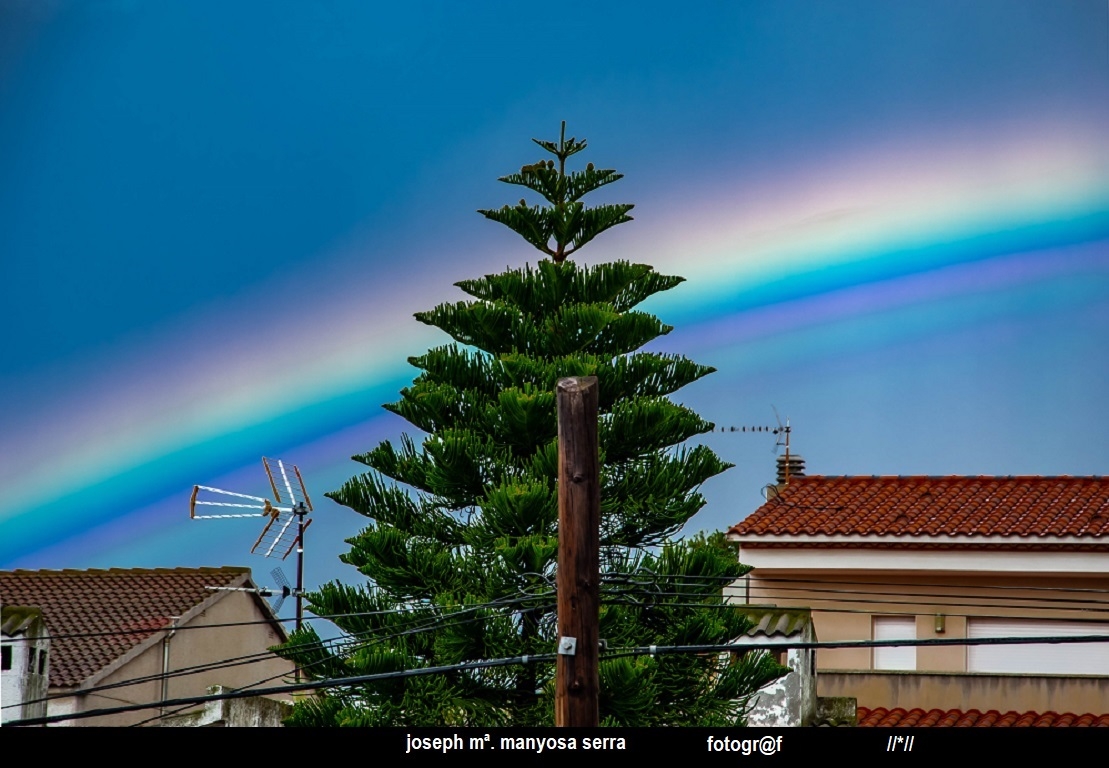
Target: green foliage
461,544
566,225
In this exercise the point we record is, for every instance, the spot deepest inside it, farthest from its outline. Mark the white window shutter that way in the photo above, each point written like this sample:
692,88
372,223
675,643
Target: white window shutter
895,628
1037,658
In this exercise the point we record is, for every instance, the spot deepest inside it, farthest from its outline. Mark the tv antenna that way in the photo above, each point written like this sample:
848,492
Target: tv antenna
280,535
781,433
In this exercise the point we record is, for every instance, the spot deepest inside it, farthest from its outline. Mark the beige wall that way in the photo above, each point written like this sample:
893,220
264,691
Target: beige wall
196,643
844,605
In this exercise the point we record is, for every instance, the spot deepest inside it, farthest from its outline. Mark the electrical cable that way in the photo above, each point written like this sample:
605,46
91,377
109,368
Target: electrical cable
435,623
1095,608
911,583
327,645
369,638
653,650
1093,590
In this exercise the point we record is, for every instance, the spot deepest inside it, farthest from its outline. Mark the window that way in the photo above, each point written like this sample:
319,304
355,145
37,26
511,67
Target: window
1037,658
895,628
42,662
5,656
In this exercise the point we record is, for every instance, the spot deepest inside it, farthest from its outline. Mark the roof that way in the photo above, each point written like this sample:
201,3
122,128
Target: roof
97,616
957,718
18,619
777,622
1021,510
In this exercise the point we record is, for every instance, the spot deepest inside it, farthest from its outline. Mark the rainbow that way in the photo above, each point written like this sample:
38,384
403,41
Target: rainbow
914,238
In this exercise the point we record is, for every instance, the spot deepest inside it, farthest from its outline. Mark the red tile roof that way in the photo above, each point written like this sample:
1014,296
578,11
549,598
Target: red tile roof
972,718
96,616
1027,509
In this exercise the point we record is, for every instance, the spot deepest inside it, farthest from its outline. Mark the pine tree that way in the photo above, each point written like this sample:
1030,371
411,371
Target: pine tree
462,542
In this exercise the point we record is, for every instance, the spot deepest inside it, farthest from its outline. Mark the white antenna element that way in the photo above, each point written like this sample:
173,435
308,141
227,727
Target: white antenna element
280,535
263,506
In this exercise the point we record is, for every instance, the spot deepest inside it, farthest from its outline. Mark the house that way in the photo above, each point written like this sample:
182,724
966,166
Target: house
144,635
951,561
24,662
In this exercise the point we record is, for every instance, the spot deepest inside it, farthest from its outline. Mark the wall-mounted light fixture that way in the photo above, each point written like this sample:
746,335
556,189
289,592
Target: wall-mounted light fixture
941,622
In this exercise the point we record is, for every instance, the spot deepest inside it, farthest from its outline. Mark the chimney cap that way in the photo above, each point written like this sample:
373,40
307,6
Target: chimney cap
791,465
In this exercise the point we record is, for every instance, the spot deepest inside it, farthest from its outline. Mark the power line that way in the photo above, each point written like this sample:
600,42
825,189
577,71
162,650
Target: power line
802,601
650,650
295,688
344,646
954,599
432,623
914,583
197,669
616,575
615,578
369,642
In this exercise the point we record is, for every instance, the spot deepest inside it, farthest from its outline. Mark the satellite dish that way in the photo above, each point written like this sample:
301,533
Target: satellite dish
286,588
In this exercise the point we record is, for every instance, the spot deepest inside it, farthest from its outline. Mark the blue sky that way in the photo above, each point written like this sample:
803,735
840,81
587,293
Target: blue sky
216,221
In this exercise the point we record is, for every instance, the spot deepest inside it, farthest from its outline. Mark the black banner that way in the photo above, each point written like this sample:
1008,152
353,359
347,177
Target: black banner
513,746
756,746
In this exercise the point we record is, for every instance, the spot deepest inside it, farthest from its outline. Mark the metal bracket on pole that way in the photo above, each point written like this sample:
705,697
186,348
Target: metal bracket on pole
568,646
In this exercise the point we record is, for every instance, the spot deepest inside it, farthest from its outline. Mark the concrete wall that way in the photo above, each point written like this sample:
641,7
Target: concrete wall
1005,693
789,701
250,712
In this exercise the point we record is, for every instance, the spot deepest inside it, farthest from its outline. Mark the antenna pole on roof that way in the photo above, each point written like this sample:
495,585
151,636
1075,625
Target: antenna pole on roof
783,438
300,510
277,538
786,429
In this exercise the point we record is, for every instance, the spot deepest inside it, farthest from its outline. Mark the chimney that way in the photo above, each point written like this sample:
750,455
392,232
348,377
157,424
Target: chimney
790,465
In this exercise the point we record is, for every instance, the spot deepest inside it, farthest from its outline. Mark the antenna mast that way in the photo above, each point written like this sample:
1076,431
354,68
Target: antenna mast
783,438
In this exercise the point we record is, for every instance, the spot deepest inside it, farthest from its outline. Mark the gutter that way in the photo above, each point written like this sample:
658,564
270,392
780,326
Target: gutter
165,661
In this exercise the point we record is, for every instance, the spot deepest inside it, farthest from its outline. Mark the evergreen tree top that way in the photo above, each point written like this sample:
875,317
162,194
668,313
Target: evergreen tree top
564,226
461,541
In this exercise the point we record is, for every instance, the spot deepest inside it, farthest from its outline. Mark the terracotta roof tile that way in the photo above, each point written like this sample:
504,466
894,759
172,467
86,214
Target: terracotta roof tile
138,601
972,718
1028,509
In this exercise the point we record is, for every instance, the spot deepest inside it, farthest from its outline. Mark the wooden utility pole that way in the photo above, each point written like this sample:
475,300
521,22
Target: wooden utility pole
577,683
